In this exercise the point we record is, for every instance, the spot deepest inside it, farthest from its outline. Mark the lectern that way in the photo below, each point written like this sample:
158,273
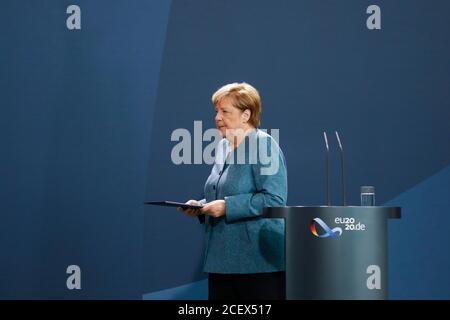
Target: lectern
335,252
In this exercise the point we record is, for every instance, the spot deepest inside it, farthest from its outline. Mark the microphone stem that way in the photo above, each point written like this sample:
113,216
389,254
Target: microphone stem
327,168
328,178
344,195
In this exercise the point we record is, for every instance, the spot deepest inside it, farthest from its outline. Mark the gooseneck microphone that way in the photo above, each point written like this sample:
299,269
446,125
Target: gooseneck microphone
344,197
327,167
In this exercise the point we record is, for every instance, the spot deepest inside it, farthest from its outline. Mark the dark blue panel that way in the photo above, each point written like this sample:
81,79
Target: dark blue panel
77,110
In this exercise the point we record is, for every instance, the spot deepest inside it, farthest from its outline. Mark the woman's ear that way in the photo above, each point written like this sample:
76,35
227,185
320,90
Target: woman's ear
246,115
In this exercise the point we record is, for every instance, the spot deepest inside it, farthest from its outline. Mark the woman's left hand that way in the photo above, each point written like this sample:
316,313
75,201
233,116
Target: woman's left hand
214,208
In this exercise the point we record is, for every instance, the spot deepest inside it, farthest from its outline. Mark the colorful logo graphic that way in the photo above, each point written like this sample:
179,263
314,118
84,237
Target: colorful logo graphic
328,231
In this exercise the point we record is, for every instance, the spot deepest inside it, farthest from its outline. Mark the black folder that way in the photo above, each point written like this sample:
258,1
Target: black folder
172,204
201,218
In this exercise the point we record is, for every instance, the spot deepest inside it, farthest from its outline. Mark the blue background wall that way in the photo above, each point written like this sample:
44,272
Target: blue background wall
86,118
77,110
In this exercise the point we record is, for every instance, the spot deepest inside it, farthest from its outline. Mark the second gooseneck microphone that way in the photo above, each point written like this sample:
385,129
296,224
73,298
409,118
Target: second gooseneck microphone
344,195
327,169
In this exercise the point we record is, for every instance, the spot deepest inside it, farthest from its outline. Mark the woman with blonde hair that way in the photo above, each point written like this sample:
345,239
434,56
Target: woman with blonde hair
244,253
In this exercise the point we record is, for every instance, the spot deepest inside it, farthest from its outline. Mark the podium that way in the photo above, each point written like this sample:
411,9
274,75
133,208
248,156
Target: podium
335,252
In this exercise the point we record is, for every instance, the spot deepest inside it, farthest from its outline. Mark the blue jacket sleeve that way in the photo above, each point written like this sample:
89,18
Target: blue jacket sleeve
270,180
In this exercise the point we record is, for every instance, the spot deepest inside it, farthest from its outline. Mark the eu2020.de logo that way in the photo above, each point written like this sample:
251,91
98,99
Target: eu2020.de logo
326,230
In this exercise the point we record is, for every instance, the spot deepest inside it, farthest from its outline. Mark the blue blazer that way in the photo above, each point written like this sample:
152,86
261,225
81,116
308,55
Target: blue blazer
242,241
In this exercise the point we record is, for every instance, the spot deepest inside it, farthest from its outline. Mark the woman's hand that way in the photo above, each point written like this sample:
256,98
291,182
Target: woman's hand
191,212
214,208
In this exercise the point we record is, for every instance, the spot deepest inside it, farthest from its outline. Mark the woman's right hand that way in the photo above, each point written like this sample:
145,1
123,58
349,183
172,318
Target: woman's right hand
191,212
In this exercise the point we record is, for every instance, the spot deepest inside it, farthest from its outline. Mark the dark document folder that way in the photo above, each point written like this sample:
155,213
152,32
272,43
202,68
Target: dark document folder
172,204
201,217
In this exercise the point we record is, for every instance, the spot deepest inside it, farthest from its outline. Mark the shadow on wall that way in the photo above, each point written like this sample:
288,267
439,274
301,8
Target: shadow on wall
192,291
418,252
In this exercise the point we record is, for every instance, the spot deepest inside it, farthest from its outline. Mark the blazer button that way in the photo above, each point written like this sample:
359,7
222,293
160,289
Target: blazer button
220,172
214,187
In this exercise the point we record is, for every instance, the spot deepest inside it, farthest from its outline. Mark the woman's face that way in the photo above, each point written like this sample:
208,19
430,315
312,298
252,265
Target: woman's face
229,117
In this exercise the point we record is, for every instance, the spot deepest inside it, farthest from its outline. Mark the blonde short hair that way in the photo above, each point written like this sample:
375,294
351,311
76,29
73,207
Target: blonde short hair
243,97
